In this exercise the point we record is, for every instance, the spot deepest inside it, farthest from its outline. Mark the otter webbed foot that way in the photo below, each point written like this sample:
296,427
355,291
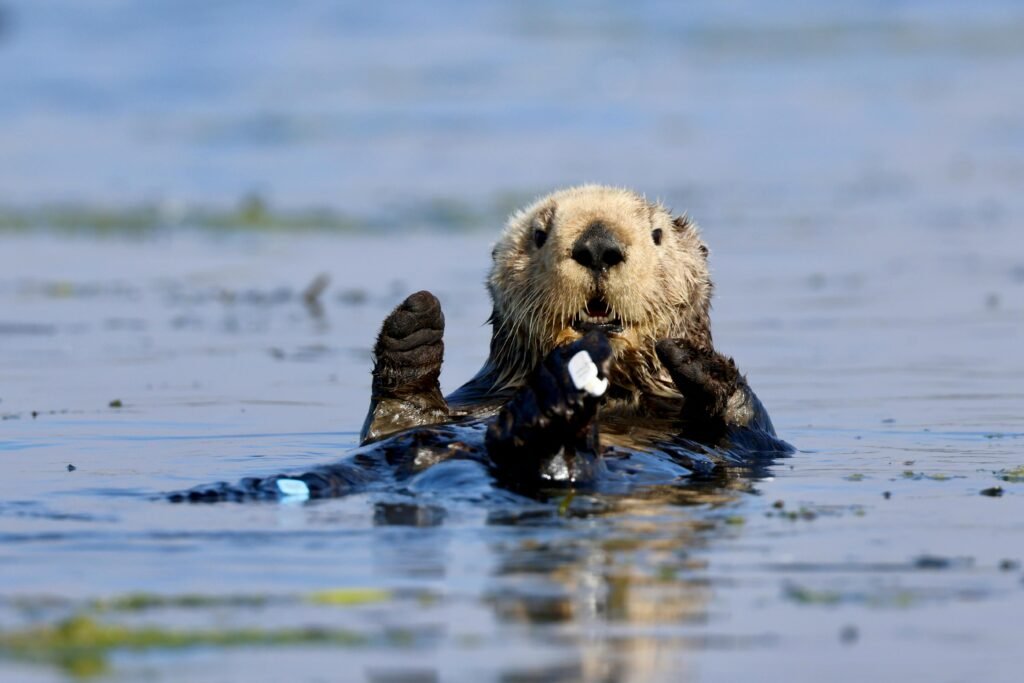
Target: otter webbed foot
406,365
546,434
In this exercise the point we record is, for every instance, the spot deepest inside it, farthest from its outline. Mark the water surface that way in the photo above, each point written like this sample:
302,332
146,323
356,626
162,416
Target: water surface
856,172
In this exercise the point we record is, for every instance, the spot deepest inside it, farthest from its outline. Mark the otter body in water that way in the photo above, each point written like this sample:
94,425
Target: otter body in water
591,270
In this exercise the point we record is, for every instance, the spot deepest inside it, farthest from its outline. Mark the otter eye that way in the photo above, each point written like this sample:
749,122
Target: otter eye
539,238
656,234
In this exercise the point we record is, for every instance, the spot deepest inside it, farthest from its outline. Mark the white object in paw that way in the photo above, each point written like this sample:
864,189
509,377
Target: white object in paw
294,489
584,374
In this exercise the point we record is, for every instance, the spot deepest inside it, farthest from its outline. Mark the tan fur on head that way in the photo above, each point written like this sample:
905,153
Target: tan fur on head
659,291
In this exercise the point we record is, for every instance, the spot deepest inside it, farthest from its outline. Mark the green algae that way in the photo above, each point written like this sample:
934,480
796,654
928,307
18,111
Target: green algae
803,513
139,602
348,596
82,645
251,213
885,598
82,640
937,476
809,596
1012,476
566,503
143,602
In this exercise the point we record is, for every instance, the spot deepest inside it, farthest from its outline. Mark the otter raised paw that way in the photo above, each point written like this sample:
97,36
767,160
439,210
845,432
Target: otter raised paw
406,365
706,380
715,395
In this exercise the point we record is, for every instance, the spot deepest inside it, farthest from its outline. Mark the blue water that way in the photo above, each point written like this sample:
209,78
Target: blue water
856,170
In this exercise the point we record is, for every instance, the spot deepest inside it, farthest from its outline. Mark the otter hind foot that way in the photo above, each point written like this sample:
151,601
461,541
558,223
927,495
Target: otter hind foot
407,363
546,434
409,348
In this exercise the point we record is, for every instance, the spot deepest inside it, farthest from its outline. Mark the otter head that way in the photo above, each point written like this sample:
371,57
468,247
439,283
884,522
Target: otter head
595,257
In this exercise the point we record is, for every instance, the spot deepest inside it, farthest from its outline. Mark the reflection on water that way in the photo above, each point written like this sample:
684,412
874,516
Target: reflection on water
630,595
856,170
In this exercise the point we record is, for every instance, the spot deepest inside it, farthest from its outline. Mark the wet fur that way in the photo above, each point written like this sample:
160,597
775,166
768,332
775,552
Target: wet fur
661,291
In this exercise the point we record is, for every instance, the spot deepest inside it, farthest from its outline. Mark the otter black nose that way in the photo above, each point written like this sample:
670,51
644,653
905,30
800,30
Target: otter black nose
597,249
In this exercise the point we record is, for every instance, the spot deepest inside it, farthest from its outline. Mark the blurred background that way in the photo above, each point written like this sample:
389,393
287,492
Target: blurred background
207,208
444,115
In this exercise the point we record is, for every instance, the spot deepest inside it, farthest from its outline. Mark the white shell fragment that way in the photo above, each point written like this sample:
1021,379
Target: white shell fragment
584,374
293,489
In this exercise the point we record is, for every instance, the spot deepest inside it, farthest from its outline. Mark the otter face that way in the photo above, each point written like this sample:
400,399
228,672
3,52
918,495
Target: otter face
595,257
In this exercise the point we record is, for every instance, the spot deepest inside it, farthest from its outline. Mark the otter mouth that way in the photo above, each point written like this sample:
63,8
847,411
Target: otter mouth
598,315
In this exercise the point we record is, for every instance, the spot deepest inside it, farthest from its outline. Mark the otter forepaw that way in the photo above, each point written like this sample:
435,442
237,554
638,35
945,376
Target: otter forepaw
552,415
567,386
572,379
705,378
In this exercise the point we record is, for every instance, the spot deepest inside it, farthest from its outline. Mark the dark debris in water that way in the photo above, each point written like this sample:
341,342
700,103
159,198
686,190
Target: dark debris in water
30,509
810,512
28,329
407,514
919,563
940,562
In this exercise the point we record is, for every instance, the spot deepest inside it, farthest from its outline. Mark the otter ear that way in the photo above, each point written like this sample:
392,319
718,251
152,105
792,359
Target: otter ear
540,226
684,226
682,223
545,217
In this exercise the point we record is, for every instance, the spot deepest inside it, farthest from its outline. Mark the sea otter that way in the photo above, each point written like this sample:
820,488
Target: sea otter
593,275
